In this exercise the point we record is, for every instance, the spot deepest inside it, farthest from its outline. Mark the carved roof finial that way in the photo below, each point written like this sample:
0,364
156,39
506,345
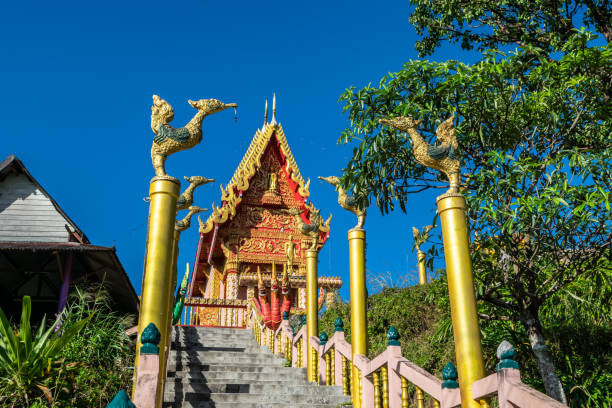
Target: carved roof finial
266,113
273,108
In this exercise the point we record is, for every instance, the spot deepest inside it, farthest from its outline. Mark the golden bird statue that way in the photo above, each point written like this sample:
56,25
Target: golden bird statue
185,200
182,225
311,230
421,237
169,140
346,201
442,157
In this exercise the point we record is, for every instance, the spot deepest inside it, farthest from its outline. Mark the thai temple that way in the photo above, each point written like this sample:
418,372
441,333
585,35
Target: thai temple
256,267
251,250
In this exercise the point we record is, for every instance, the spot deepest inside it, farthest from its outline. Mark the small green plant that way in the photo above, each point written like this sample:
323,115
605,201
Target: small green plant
30,363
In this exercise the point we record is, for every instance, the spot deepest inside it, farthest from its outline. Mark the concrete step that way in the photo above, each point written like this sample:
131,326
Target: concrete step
203,331
253,368
259,387
222,368
234,360
211,404
241,398
240,376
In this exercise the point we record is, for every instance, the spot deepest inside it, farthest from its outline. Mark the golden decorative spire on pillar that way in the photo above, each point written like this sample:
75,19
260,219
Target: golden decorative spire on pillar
169,140
442,157
273,108
266,113
185,200
419,239
451,209
346,201
182,225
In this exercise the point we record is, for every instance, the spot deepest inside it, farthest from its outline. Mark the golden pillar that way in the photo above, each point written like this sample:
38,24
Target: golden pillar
359,329
312,310
157,281
466,331
164,344
422,269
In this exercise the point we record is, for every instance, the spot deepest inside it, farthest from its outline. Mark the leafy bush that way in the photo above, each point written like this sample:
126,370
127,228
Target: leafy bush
102,349
88,370
30,365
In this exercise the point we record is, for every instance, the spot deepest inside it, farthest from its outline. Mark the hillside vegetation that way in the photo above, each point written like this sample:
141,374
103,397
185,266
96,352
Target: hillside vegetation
581,343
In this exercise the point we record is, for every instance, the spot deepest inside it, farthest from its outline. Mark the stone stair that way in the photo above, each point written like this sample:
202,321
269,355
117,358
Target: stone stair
222,368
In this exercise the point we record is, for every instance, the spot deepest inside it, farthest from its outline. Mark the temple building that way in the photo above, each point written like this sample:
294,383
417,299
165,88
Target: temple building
256,240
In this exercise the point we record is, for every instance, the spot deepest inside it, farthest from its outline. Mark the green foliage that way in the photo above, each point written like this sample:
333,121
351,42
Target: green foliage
30,364
415,317
91,366
493,24
580,337
534,127
102,349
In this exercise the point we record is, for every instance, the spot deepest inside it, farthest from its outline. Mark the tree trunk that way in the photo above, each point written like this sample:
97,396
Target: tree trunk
552,384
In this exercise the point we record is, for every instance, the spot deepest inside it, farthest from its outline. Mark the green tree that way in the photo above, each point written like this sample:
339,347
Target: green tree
534,128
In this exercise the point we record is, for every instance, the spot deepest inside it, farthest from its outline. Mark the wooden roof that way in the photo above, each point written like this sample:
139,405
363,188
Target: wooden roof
27,210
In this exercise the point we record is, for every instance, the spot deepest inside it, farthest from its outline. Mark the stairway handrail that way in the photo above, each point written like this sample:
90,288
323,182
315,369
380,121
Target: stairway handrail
507,385
338,343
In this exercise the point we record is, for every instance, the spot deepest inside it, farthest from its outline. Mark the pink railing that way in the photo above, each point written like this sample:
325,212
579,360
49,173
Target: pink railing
384,380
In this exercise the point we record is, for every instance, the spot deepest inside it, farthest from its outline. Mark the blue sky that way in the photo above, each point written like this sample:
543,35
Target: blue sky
76,80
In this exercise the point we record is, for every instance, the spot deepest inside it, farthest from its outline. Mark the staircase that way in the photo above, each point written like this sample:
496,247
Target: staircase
222,368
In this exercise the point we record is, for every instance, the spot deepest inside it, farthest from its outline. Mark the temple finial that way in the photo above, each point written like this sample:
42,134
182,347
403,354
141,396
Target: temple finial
273,108
266,113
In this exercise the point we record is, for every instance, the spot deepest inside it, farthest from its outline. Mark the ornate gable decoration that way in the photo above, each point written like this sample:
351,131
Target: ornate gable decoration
235,191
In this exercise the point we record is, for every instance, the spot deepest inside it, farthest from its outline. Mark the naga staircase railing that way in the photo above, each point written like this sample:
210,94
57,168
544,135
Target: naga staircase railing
205,312
385,380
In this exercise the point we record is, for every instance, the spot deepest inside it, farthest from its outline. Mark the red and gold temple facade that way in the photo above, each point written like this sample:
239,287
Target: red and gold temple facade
257,229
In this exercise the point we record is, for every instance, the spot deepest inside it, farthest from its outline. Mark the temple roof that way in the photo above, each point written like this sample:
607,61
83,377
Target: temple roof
232,194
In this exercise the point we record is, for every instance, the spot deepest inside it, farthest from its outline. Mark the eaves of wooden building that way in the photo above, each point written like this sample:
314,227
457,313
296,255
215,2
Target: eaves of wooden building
44,254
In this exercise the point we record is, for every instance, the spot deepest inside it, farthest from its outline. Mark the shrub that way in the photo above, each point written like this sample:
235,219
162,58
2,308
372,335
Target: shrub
83,367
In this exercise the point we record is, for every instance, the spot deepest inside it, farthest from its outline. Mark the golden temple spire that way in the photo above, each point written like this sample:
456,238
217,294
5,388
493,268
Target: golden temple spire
273,108
266,113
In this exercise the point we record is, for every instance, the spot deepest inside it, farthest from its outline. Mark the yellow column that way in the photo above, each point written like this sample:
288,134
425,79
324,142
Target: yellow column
359,330
422,281
312,310
163,193
470,366
422,270
166,340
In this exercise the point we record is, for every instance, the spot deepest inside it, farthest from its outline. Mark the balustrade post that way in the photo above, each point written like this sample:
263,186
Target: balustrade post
384,377
404,392
507,371
376,380
395,381
344,377
364,386
324,363
146,386
340,369
449,375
